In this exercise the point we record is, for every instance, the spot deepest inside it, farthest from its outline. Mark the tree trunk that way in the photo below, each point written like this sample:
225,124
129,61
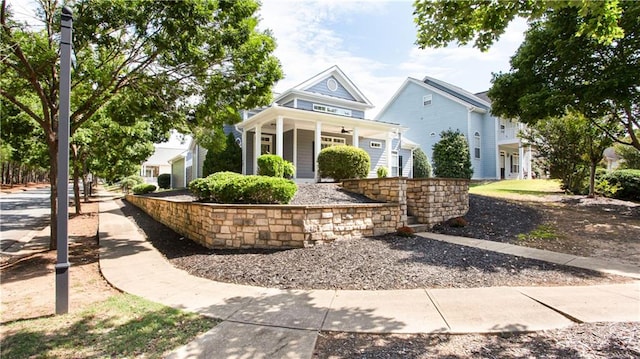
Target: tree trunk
76,179
592,179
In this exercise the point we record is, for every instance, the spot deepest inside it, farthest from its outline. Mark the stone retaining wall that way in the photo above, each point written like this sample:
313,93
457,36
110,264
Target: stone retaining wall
270,226
429,200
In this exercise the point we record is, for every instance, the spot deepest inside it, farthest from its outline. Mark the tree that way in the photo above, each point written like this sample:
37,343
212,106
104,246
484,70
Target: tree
421,165
451,158
483,22
144,60
554,70
630,155
227,159
571,149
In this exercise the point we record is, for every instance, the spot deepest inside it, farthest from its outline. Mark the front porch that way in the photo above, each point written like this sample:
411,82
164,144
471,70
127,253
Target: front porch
299,135
514,162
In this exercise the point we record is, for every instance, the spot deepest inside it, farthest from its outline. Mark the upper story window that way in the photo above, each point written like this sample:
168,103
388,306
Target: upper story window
332,84
476,144
427,99
332,110
375,144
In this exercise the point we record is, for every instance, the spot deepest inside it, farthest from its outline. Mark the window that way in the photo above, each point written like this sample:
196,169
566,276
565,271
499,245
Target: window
328,141
426,100
332,110
515,163
265,145
332,84
394,163
476,145
375,144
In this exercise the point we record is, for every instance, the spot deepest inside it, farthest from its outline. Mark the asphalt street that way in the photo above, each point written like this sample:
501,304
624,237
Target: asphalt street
22,213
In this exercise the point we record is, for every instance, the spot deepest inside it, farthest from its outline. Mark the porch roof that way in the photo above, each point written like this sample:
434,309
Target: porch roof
305,119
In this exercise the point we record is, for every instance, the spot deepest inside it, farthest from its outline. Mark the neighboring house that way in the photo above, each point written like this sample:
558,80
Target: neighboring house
612,159
431,106
159,162
326,110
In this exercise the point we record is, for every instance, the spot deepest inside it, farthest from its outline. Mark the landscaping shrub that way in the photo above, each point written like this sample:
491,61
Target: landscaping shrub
289,169
230,187
144,188
128,183
271,165
451,158
382,172
621,184
227,158
421,165
405,231
343,162
164,181
457,222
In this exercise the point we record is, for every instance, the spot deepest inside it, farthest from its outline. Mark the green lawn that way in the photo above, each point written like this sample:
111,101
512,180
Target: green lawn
516,188
123,326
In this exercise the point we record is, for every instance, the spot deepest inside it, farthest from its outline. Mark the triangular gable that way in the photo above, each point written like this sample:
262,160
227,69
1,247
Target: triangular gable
344,88
458,92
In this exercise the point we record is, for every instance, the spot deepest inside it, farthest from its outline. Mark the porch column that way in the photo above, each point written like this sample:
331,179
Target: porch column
279,136
388,148
295,151
244,151
521,160
317,147
257,148
355,141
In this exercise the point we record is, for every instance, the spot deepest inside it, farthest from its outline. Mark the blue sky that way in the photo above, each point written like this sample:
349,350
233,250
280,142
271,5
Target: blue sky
373,43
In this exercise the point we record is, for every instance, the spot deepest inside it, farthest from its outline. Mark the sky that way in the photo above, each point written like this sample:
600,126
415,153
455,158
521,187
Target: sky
371,41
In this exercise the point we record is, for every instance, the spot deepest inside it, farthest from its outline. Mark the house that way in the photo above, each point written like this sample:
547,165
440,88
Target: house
431,106
326,110
159,162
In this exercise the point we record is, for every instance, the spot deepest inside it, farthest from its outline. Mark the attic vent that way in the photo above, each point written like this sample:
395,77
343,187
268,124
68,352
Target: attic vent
426,100
332,84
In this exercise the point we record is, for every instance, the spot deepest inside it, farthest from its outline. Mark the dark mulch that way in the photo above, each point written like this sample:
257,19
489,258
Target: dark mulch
386,262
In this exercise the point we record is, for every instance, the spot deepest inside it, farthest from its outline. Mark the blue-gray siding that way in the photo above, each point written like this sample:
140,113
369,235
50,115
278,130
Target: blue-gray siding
322,88
307,105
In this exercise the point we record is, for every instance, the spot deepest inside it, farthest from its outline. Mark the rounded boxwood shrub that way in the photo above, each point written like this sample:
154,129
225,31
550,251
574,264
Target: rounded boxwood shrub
421,165
164,181
289,169
343,162
129,182
382,172
230,187
451,158
271,165
621,184
144,188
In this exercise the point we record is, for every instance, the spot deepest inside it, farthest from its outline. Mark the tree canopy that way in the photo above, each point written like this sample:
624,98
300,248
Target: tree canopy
483,22
555,71
139,60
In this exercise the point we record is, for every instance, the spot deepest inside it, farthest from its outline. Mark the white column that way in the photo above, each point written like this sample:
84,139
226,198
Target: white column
317,147
388,148
244,151
279,135
257,147
520,160
295,151
356,142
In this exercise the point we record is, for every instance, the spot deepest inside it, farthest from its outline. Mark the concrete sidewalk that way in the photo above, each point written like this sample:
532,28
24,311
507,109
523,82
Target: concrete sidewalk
272,323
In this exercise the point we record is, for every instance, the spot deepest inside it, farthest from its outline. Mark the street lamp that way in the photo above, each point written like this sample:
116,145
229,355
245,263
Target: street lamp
62,262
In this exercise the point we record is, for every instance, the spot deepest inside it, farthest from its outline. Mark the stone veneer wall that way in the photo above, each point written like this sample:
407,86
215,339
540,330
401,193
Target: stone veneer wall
434,200
270,226
429,200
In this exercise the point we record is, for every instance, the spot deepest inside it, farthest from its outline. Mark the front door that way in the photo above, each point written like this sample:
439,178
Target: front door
502,165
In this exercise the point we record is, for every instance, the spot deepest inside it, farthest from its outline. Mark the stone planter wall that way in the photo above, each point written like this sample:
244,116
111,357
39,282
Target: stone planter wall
429,200
270,226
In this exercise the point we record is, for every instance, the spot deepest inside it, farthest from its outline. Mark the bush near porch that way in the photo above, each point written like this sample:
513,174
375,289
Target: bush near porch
231,187
343,162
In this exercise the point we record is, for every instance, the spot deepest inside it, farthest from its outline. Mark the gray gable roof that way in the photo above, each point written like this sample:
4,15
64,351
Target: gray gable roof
457,92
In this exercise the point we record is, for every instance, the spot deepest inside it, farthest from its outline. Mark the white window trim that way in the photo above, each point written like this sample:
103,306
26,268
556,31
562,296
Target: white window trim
375,144
332,110
427,100
328,141
476,145
332,85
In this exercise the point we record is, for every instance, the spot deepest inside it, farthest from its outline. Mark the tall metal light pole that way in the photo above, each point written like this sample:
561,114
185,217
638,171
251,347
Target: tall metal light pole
62,263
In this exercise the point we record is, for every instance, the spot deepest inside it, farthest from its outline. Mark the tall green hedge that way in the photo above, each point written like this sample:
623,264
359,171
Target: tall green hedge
421,165
231,187
451,158
343,162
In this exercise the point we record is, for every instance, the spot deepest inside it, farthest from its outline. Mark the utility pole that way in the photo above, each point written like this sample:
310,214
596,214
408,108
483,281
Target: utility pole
62,263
